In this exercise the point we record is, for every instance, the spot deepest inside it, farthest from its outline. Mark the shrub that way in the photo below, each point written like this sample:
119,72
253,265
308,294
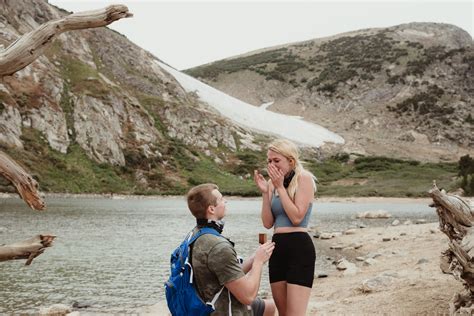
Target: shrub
466,172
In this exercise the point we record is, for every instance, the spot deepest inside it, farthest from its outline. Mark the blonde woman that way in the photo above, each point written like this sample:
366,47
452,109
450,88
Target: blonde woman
287,204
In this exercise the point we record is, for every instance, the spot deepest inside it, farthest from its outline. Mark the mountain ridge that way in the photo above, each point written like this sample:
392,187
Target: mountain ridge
372,76
97,114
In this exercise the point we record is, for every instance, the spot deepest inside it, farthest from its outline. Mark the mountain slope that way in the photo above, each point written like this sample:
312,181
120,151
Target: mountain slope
405,91
259,119
97,114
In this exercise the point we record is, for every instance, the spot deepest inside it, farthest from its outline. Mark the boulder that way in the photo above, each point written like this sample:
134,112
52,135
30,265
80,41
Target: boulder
370,262
374,214
351,231
55,310
377,283
326,236
349,268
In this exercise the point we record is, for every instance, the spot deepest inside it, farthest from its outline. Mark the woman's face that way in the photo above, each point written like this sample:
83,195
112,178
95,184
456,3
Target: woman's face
279,161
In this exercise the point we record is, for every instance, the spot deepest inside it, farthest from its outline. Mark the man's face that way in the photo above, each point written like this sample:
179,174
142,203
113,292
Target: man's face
220,208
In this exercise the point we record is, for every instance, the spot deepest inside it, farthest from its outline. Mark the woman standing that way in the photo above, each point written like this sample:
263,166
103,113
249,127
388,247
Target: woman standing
287,203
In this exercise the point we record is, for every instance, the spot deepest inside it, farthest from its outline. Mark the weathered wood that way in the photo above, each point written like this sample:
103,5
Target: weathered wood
456,219
26,186
27,249
30,46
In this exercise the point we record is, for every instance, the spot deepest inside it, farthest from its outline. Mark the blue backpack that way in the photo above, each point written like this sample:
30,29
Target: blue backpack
181,295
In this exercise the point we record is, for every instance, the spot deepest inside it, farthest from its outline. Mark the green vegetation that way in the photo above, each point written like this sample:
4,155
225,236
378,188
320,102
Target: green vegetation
274,65
469,119
205,171
152,103
212,70
351,57
381,176
425,104
417,67
73,172
68,108
83,78
466,172
249,161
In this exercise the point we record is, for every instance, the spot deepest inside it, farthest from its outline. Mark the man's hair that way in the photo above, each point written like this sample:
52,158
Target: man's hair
200,198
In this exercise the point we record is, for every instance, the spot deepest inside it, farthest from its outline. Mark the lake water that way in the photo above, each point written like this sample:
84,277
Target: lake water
113,255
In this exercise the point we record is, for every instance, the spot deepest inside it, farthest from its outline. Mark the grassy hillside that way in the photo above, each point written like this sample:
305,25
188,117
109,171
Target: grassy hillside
74,172
381,176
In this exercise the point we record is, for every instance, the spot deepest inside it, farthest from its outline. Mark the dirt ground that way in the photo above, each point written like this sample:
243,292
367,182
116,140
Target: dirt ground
409,281
405,271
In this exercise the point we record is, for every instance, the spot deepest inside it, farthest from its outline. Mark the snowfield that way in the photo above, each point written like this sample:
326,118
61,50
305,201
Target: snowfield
256,118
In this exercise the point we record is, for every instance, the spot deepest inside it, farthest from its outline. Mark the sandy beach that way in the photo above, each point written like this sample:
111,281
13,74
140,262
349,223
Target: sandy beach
398,276
404,273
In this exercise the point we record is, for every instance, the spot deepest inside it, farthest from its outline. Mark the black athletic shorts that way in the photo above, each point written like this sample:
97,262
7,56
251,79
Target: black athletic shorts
293,259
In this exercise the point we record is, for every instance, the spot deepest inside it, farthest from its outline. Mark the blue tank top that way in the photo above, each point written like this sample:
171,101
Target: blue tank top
281,219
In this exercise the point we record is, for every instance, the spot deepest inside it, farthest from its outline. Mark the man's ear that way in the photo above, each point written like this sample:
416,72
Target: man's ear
210,209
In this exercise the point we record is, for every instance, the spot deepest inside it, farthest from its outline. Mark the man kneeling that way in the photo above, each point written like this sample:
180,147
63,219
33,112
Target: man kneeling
215,262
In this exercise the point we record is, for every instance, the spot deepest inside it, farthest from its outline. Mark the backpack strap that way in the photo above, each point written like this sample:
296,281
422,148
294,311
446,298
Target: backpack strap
191,240
203,231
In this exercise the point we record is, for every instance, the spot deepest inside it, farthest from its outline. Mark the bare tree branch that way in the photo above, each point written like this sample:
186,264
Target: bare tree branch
30,46
26,186
27,249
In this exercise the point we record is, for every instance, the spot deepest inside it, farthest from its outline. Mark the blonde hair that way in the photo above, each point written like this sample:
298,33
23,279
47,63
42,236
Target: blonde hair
289,150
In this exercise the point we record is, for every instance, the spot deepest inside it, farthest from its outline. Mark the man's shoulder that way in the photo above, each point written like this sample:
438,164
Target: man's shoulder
209,241
211,251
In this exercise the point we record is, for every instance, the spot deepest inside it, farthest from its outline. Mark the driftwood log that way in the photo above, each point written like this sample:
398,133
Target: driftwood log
30,46
456,220
25,185
15,57
27,249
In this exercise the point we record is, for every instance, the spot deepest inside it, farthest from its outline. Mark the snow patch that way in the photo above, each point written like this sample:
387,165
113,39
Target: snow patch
256,118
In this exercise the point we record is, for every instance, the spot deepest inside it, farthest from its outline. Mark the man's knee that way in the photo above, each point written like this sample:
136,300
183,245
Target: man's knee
262,307
270,307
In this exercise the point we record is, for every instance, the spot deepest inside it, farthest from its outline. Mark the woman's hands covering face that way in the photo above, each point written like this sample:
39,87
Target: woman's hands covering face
260,181
276,175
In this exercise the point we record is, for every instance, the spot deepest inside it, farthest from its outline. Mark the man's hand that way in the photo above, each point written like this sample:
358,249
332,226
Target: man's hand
264,252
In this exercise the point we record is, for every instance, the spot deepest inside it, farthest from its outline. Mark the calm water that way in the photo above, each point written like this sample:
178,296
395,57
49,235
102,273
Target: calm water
113,254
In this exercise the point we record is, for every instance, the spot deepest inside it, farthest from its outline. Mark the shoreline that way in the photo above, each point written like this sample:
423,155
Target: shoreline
324,199
399,275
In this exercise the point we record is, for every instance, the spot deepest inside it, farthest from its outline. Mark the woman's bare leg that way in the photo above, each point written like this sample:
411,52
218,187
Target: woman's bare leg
297,298
279,296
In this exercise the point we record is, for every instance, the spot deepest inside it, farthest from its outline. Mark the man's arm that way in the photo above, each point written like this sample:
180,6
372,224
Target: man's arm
247,264
245,289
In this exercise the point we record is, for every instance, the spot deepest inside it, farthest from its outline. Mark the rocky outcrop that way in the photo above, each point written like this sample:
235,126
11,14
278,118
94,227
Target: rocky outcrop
96,89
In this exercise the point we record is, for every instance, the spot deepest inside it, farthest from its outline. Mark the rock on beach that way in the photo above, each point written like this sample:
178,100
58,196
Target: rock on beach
404,279
374,214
